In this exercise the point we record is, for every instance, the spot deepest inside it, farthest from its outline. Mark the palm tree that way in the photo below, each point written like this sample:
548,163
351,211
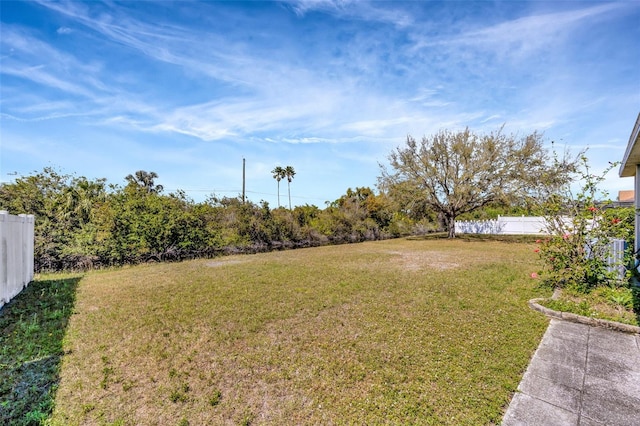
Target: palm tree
79,199
145,180
278,175
289,173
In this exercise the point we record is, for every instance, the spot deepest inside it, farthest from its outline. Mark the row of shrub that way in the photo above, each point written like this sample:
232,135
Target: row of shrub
83,224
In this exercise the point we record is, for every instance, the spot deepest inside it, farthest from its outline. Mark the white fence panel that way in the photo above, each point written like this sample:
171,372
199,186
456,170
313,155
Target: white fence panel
522,225
16,254
616,257
478,227
505,225
536,225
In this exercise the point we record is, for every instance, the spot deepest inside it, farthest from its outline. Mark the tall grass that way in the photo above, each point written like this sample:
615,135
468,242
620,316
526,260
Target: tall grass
395,332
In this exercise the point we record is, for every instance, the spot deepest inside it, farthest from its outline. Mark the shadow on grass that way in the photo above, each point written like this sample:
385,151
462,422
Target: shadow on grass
32,328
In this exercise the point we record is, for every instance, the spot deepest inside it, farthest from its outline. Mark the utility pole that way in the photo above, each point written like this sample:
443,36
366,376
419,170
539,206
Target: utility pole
243,178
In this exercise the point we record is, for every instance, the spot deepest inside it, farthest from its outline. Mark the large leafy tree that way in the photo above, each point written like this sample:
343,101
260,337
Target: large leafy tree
453,173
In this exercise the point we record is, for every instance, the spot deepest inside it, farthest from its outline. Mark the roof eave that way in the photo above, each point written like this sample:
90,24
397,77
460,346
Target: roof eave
632,155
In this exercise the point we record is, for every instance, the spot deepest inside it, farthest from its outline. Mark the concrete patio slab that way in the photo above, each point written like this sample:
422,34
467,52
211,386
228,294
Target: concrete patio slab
580,375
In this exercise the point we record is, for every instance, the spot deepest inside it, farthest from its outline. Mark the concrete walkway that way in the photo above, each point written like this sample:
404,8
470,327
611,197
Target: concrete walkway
580,375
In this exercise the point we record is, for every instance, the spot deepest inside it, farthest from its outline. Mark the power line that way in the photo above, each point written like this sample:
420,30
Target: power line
239,191
203,190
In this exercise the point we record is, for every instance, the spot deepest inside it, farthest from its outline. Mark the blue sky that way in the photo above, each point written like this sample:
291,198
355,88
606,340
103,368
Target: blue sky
188,89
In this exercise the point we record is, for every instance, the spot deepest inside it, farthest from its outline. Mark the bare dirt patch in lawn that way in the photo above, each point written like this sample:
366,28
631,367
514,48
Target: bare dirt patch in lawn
416,261
218,263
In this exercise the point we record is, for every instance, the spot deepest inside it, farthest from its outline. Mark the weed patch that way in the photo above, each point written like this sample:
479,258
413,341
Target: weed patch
608,303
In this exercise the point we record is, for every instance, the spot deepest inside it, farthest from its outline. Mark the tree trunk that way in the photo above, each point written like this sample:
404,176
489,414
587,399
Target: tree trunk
451,226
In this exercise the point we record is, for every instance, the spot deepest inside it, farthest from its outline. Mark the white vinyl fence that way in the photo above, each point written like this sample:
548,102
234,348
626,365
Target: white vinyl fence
515,225
16,254
616,257
535,225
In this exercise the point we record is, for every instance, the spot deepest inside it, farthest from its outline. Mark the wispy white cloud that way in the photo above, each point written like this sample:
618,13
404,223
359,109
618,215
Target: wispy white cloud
39,74
275,93
354,9
492,118
205,52
52,116
36,105
318,84
31,59
523,36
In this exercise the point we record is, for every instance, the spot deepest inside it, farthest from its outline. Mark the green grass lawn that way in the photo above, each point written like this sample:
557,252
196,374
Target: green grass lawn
391,332
32,328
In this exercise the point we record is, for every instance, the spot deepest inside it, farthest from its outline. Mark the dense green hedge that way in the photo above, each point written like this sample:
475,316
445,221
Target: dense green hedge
83,224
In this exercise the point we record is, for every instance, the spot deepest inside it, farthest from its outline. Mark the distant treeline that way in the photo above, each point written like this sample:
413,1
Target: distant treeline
82,224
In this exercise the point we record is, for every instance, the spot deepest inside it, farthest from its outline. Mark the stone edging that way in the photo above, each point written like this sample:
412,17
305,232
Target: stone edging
595,322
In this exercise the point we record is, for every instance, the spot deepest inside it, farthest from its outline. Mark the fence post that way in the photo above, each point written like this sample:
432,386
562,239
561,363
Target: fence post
14,248
4,273
31,239
23,265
